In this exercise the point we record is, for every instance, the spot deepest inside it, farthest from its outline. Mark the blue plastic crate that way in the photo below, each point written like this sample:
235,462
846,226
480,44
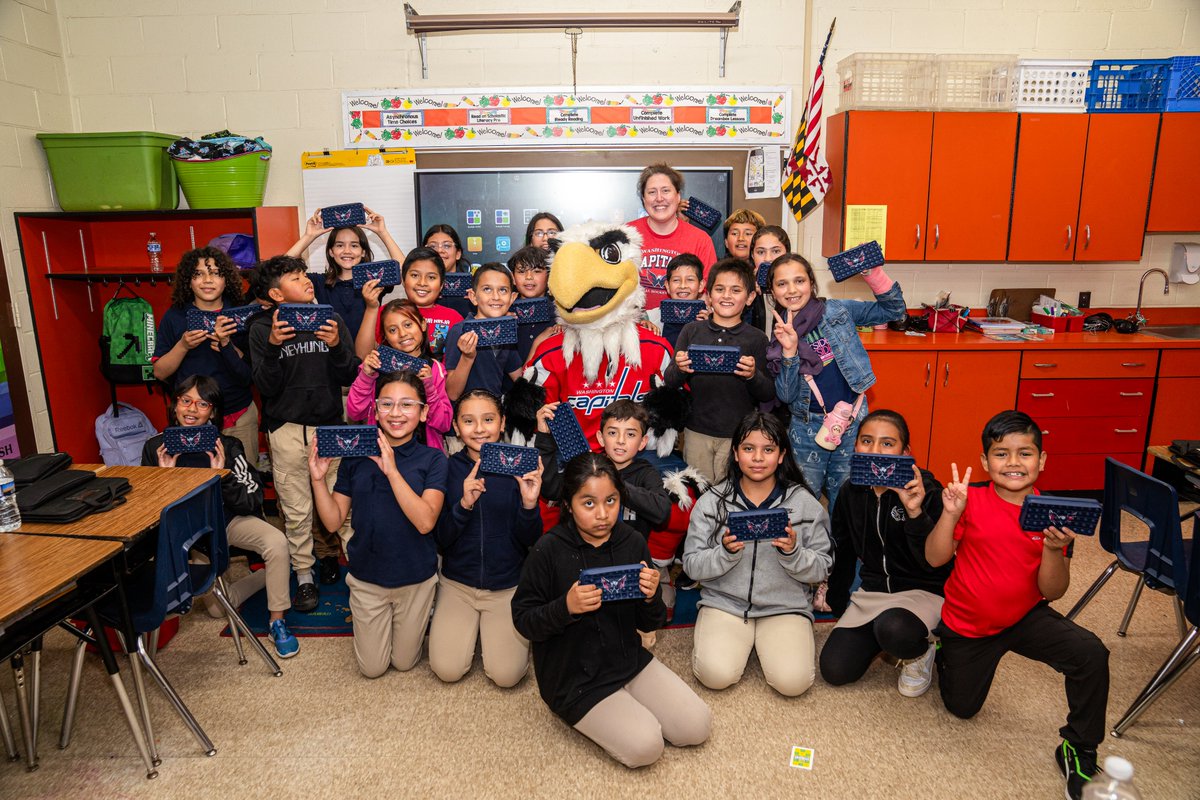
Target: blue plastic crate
1183,93
1128,85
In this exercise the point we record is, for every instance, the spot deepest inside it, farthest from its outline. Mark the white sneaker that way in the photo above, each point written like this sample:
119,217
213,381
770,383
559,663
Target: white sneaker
916,676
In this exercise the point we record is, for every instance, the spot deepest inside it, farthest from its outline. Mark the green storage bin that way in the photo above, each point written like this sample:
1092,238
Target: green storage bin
235,182
116,171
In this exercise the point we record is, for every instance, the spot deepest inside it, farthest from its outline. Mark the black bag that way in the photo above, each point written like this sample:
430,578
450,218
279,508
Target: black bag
31,469
1187,450
47,489
70,496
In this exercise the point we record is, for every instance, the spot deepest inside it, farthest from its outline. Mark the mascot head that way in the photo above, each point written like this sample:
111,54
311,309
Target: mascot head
597,294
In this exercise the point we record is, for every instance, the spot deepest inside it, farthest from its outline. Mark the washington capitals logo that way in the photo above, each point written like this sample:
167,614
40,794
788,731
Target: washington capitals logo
1061,520
190,440
758,530
614,585
209,323
342,215
714,361
347,443
306,318
509,461
488,334
883,473
374,274
657,280
523,312
588,403
855,261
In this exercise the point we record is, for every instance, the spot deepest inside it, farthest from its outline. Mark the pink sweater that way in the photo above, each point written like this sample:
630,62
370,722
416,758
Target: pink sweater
360,402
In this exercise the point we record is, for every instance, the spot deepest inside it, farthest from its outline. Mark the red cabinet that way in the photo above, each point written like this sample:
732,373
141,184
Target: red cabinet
1177,400
1050,151
904,384
1173,205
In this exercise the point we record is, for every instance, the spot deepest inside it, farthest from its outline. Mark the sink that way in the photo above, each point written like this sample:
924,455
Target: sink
1173,331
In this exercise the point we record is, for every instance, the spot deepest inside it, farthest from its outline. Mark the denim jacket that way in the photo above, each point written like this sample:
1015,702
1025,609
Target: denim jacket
838,324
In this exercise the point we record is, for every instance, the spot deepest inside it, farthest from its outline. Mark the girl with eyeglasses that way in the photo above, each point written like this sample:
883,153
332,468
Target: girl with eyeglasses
403,329
397,498
543,227
195,401
444,240
487,526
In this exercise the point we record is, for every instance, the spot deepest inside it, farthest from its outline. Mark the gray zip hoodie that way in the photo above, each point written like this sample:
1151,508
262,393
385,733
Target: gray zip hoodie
758,581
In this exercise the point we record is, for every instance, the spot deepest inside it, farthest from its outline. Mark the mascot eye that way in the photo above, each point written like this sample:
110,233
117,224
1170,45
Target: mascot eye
610,252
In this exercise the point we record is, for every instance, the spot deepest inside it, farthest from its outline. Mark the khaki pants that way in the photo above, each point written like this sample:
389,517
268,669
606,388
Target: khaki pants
252,533
631,723
289,464
723,641
708,454
389,624
463,614
245,430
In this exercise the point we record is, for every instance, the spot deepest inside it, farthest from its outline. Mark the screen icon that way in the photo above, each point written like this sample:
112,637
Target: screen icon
474,244
503,244
529,214
501,216
474,217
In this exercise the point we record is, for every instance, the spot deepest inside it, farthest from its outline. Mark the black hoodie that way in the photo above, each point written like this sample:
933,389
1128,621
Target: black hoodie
580,660
878,531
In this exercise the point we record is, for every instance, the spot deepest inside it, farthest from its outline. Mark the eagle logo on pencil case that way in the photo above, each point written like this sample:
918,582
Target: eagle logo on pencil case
855,260
1061,520
455,284
714,358
529,310
192,440
347,443
180,439
509,461
758,530
303,318
882,472
392,360
200,320
614,585
493,332
344,215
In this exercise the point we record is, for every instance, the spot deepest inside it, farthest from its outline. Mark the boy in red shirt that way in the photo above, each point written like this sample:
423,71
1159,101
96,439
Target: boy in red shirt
997,597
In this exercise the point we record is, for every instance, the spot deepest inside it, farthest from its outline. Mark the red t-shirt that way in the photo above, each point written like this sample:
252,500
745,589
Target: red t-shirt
439,320
994,581
657,252
590,398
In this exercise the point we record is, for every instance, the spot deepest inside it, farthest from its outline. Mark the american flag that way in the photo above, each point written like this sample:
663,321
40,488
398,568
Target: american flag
807,177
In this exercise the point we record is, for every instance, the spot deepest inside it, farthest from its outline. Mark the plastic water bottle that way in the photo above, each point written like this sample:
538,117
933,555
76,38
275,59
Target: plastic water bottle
10,515
154,250
1115,784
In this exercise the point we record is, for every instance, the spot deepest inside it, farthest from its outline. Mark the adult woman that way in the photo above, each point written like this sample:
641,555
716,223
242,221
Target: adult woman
664,234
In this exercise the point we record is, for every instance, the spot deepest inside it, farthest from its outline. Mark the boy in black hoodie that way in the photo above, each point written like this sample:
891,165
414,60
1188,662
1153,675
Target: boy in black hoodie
300,376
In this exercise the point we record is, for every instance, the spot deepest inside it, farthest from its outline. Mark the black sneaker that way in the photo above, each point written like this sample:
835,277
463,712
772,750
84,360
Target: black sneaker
330,570
1077,765
306,598
684,581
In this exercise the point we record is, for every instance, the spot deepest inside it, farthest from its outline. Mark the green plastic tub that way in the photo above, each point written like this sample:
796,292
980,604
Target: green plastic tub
234,182
127,170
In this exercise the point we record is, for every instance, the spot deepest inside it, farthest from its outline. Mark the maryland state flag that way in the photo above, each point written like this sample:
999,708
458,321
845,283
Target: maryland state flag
807,177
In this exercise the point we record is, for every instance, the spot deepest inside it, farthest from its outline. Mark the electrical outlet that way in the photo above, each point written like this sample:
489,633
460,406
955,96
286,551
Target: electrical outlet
1085,299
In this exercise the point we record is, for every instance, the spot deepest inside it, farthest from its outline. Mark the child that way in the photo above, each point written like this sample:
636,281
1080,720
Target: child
422,275
998,595
720,400
900,600
486,529
591,669
207,279
196,401
739,230
684,282
767,243
531,272
751,598
344,247
543,226
397,497
404,330
300,376
443,240
469,366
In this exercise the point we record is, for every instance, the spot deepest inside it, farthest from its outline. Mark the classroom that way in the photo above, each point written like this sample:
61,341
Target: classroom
534,400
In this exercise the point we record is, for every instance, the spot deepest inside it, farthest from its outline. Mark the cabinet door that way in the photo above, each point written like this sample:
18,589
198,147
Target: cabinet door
1050,152
970,186
1116,186
887,164
969,389
1173,205
1175,410
904,384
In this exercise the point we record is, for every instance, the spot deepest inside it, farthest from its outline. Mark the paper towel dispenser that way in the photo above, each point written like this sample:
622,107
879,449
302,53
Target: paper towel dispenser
1185,262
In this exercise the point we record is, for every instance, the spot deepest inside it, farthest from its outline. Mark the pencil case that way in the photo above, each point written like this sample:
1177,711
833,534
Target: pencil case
855,260
393,360
190,439
201,320
881,469
530,310
386,272
305,316
714,357
455,284
494,332
616,583
507,459
702,214
680,312
347,441
241,314
344,215
567,433
1080,514
750,526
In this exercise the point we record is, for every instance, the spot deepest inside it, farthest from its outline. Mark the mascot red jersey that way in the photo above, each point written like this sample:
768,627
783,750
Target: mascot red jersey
602,353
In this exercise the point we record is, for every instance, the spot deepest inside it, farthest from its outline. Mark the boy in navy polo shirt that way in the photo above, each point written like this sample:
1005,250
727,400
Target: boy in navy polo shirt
469,366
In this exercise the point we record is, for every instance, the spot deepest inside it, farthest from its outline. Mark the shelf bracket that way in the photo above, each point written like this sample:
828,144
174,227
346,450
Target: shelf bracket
424,56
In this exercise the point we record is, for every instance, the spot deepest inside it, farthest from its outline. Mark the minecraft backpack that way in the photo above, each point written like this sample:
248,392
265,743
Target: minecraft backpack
127,341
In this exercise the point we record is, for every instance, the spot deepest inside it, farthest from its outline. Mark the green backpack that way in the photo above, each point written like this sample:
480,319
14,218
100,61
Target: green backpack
127,341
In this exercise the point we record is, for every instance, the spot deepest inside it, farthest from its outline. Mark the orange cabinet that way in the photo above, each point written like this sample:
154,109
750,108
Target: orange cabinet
904,384
1049,173
1173,205
1177,400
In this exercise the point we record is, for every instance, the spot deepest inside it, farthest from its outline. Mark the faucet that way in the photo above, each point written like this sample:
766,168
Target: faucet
1137,317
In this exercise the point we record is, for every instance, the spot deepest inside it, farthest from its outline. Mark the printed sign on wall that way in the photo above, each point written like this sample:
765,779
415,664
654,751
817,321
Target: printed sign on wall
739,116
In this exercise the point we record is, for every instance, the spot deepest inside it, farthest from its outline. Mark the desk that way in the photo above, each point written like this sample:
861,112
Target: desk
1165,466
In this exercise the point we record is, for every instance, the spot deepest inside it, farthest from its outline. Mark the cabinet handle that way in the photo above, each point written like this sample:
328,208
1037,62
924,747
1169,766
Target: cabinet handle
1131,394
1045,432
1133,363
1042,394
1087,236
928,372
1046,366
946,380
1124,430
918,243
937,235
1070,235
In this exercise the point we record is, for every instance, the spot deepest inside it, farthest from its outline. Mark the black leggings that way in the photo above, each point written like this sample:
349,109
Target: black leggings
849,651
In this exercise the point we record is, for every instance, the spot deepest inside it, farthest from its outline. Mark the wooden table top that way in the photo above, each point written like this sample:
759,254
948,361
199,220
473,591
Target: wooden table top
154,488
33,569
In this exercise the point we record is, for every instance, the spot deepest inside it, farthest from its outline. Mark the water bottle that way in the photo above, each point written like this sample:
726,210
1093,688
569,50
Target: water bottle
154,250
10,515
1116,783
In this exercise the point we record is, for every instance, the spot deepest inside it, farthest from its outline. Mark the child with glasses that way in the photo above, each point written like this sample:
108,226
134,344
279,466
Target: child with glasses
469,366
530,267
542,227
444,241
397,497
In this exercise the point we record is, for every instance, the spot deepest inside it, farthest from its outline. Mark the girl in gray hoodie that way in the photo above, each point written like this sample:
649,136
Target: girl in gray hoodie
756,595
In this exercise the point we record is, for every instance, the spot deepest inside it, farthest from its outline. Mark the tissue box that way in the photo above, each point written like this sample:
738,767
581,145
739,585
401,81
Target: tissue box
1071,324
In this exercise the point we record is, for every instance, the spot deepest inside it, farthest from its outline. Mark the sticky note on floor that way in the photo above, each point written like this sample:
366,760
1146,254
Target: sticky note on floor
802,757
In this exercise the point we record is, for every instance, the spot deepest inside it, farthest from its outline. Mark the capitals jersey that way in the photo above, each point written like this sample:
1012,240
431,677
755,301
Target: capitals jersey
590,398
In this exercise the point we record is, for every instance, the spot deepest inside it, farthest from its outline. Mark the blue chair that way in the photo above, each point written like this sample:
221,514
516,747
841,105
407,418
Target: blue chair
1157,560
1186,653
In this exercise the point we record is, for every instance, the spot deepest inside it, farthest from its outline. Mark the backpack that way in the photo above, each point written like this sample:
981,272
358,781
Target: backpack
122,436
127,341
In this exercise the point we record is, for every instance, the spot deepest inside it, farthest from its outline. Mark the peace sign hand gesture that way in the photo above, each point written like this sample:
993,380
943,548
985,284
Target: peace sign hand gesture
785,334
954,495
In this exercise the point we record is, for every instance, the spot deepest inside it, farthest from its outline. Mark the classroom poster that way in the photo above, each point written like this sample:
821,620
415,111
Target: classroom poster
737,116
9,449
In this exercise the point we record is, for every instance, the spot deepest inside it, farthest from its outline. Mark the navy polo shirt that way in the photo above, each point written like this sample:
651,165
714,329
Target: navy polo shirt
227,368
492,366
386,549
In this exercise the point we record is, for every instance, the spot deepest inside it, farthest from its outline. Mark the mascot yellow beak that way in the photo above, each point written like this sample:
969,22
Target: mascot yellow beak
585,286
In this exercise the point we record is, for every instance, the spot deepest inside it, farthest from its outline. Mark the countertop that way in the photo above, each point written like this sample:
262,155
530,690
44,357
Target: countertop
969,340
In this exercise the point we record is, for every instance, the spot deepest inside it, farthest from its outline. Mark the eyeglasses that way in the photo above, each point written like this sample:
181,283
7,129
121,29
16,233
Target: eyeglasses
543,234
441,246
404,406
201,405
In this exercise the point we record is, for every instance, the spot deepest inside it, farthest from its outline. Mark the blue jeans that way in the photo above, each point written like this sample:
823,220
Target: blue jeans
823,469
